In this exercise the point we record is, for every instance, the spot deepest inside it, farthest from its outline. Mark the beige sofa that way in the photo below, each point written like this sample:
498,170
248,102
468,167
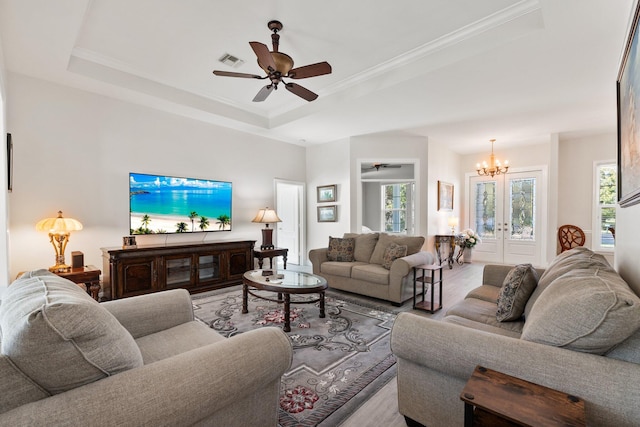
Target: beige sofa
366,274
580,334
142,361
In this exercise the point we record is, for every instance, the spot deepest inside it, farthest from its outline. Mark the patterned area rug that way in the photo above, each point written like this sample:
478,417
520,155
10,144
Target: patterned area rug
338,362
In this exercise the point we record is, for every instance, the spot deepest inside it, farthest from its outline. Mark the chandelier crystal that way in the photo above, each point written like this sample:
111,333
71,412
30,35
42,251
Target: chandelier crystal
494,167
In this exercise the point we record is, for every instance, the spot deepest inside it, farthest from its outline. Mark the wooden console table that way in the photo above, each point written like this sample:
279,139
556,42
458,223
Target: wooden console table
261,254
449,240
196,267
87,275
492,398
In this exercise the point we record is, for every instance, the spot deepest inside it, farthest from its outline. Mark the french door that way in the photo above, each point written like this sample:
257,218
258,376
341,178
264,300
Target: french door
509,213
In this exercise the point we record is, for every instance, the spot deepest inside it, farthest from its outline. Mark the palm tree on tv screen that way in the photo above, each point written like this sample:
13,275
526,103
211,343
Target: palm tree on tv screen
192,216
204,223
223,220
181,227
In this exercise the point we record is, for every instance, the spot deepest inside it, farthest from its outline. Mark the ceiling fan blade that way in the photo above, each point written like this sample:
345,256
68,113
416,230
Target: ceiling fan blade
232,74
264,92
264,56
302,92
312,70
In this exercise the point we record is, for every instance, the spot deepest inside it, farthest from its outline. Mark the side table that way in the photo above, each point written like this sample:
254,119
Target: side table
430,306
492,398
261,254
89,275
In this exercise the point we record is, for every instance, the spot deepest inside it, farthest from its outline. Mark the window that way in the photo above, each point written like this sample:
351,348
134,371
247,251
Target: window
397,208
606,185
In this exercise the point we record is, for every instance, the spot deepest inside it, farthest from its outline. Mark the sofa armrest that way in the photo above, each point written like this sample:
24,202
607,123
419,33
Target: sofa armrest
401,267
146,314
317,257
201,387
451,352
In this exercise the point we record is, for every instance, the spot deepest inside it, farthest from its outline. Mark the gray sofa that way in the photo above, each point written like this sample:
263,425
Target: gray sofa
580,334
142,361
365,274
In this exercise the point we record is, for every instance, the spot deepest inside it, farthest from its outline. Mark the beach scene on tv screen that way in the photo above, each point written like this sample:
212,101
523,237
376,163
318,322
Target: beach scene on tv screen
165,204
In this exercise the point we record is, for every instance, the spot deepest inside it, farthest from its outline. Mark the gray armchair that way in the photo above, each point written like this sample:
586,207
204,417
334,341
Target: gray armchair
63,364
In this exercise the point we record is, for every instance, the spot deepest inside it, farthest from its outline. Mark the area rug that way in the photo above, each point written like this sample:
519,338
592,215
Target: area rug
339,361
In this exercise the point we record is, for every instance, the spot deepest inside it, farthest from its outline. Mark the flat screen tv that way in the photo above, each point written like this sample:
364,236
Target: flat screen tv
166,204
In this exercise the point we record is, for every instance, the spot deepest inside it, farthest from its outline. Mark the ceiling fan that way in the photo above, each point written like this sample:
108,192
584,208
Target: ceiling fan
377,166
279,65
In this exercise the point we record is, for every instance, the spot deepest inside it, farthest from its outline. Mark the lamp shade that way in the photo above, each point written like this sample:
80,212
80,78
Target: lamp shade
266,215
453,221
58,225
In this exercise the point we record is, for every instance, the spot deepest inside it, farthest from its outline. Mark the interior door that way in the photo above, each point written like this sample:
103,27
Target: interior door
289,206
508,212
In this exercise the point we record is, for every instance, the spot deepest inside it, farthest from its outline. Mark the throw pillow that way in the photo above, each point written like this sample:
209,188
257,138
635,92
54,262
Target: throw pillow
393,252
515,291
59,336
588,310
341,249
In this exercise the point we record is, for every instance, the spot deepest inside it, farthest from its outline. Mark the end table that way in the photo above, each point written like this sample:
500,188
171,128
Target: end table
492,398
430,306
87,275
270,253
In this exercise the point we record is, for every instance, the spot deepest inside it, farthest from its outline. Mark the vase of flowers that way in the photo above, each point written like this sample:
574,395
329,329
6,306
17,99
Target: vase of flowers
469,239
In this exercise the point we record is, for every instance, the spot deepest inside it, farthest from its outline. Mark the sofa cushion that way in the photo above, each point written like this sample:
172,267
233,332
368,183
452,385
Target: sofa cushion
482,312
588,310
59,336
365,244
576,258
515,292
373,273
335,268
413,243
341,249
485,292
392,253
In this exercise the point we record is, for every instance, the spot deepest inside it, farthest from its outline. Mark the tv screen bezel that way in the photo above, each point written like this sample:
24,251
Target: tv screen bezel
192,227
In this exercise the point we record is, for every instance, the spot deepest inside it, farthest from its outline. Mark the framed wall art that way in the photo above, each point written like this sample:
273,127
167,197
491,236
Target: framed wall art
628,88
445,196
327,213
9,163
327,193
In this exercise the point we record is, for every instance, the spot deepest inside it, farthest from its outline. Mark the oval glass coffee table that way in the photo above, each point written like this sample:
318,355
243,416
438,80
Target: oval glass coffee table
284,283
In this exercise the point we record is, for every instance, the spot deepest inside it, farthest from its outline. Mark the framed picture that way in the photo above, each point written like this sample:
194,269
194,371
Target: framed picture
327,213
327,193
445,196
628,88
9,163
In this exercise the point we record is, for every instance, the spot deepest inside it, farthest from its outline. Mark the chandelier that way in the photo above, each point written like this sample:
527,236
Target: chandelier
494,167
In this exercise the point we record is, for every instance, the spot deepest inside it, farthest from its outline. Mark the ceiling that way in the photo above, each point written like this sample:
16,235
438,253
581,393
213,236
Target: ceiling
459,72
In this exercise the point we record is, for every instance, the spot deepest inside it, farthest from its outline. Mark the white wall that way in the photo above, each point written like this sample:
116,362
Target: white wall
73,151
575,189
327,164
444,165
4,208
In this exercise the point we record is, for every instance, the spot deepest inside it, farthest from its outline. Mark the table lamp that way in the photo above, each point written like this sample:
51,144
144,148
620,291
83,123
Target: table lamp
453,223
266,216
59,229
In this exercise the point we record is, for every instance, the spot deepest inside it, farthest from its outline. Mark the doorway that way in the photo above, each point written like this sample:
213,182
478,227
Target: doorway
290,208
509,213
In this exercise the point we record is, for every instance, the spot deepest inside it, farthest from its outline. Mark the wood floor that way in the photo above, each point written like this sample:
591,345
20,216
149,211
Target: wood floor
382,408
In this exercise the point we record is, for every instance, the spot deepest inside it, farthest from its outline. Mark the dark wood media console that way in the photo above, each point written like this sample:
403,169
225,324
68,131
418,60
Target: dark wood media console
197,267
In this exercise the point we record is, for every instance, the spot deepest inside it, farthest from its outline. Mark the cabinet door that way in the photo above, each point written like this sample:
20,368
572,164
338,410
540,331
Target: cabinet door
239,261
136,276
210,268
179,271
